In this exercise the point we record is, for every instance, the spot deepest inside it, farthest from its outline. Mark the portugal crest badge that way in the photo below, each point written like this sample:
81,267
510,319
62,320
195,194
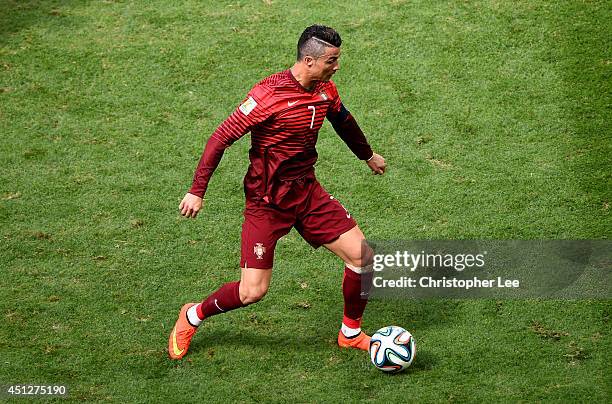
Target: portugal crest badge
259,250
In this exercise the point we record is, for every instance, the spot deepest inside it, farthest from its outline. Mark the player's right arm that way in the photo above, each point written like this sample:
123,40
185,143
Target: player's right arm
251,112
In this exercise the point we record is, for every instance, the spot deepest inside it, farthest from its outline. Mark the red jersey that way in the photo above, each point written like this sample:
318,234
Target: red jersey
284,119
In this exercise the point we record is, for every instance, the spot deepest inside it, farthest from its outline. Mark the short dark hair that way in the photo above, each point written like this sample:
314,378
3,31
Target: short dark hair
315,39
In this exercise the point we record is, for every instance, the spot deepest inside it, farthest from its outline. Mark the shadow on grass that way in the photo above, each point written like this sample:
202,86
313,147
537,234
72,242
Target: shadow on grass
16,16
212,338
277,342
414,315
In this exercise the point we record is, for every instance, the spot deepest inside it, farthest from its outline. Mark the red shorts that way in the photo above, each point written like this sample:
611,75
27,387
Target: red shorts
318,217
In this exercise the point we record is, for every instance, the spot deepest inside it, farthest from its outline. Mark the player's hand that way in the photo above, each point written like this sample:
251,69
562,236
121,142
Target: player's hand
190,205
377,164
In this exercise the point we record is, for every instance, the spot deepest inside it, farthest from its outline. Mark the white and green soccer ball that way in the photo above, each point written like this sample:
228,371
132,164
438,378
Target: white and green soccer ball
392,349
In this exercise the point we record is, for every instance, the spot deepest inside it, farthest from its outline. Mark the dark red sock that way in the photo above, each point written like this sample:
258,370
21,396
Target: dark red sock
355,296
226,298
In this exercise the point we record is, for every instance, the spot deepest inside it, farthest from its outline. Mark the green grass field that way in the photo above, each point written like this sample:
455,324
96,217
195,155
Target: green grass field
494,117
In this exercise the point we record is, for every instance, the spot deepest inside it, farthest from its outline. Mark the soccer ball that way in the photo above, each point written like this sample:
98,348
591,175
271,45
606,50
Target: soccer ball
392,349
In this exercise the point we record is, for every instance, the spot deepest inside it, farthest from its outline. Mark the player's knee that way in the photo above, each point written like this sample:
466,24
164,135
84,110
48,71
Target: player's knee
253,294
360,257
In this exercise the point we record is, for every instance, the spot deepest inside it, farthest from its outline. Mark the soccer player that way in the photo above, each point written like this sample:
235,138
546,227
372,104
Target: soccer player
284,113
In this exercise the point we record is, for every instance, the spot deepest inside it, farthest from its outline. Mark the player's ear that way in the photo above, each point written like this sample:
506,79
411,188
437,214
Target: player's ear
309,60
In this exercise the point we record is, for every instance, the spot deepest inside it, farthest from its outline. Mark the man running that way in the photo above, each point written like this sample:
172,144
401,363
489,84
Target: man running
284,113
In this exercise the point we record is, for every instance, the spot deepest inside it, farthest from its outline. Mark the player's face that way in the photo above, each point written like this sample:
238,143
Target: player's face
326,65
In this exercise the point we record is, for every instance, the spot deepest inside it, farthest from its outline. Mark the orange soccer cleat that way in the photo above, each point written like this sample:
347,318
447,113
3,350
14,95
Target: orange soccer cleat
361,341
181,334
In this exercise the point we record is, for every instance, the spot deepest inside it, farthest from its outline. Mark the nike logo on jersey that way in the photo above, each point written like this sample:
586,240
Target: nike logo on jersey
292,103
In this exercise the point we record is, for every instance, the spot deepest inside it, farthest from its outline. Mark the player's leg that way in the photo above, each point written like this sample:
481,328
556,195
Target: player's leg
261,230
254,284
326,222
251,288
357,255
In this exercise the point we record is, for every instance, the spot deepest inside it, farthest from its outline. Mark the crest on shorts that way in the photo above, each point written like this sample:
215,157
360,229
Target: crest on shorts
259,250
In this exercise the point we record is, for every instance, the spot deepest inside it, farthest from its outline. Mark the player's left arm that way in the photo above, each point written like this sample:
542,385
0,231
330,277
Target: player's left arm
349,131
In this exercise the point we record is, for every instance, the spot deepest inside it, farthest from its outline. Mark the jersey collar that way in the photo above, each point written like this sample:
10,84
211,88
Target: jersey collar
297,83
